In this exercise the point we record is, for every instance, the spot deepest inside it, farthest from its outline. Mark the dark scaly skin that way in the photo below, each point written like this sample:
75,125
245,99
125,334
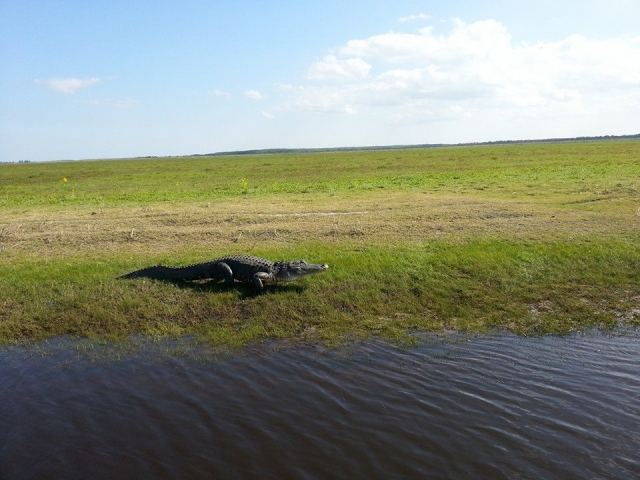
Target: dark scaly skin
244,268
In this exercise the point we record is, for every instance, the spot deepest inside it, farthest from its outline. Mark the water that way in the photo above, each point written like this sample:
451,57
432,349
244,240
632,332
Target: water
489,407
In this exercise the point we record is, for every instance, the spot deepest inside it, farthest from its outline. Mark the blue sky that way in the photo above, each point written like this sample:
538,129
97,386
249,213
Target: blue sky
105,79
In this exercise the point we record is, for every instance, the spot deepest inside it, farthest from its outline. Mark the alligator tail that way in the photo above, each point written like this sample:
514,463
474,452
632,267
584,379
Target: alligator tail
160,272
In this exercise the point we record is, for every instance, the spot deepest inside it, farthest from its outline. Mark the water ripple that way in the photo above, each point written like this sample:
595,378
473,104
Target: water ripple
487,407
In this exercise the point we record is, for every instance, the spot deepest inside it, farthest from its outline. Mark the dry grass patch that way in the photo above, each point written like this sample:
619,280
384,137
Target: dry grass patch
233,225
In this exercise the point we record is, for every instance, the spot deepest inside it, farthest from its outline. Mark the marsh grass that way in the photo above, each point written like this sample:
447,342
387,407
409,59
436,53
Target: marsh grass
477,286
600,169
530,239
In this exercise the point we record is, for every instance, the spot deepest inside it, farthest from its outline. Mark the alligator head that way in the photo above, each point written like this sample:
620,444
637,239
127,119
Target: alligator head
287,271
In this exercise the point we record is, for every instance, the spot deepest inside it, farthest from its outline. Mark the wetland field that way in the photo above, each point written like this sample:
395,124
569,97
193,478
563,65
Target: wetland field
528,239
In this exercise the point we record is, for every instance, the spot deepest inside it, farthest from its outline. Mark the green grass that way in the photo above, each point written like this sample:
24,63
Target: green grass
546,171
531,239
527,288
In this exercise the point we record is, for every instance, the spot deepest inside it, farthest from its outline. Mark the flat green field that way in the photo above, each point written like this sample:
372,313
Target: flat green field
530,238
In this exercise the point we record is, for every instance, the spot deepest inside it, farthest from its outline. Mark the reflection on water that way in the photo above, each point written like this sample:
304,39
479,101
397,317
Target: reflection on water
489,407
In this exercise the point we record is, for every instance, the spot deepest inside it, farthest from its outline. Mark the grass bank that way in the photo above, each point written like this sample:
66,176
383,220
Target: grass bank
527,238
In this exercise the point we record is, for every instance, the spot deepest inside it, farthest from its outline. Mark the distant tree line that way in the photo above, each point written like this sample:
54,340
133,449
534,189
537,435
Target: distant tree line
271,151
281,151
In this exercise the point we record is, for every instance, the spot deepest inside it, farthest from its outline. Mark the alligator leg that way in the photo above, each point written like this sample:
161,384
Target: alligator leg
257,280
258,284
224,270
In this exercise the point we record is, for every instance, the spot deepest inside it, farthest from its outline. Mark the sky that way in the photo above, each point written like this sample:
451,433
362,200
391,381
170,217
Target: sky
116,78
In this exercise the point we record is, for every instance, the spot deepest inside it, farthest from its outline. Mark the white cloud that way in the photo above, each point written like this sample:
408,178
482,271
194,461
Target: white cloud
411,18
333,68
465,41
321,99
254,95
68,86
268,116
473,68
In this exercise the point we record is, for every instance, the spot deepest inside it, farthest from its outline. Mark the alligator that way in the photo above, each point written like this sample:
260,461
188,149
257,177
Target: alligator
244,268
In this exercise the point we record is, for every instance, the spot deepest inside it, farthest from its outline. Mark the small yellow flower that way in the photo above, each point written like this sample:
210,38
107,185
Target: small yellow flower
64,179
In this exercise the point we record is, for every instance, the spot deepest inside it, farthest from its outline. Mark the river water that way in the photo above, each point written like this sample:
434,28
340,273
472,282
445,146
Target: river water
483,407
